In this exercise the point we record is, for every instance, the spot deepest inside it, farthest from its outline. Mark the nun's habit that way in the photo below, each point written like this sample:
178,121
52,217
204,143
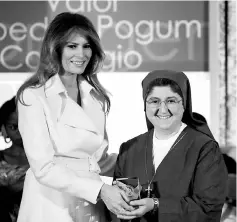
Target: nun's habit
190,182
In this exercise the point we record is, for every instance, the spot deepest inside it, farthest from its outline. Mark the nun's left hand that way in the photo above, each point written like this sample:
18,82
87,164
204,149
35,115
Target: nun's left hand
142,207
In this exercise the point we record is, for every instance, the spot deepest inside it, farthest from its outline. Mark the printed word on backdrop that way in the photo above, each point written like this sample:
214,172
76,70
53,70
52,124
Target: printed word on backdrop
137,36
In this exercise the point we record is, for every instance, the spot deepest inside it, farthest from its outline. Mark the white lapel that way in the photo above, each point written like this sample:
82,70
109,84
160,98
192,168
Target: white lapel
93,104
89,117
73,115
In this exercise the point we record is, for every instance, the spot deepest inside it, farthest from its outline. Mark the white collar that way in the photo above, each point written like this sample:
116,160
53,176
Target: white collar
54,86
173,137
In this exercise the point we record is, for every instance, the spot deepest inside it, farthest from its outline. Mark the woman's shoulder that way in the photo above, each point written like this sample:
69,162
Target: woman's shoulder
31,93
198,136
36,90
202,143
137,140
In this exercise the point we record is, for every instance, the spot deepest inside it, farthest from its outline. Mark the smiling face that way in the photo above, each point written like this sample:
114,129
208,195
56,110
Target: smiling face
166,116
76,54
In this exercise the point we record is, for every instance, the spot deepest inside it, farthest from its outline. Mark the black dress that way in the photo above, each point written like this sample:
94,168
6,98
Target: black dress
11,187
190,182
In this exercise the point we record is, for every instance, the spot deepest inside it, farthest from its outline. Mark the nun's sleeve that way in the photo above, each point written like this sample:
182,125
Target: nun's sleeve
207,193
120,163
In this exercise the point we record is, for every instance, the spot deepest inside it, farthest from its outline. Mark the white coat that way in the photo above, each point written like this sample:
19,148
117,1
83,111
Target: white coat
66,146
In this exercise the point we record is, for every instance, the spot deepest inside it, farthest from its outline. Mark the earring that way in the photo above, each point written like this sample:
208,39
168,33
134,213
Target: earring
7,141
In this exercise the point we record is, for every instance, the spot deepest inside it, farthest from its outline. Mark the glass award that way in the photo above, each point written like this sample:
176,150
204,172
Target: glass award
131,186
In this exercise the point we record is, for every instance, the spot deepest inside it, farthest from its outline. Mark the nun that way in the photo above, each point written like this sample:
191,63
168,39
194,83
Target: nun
178,162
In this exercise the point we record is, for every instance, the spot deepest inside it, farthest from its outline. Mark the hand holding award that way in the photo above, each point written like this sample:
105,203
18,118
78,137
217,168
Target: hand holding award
130,186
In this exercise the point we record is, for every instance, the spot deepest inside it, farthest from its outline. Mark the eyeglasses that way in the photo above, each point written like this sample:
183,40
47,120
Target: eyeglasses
171,103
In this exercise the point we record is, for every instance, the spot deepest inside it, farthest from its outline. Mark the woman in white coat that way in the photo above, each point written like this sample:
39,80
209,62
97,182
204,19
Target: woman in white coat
62,115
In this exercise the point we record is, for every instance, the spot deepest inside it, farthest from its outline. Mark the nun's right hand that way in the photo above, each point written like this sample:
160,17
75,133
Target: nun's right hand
115,199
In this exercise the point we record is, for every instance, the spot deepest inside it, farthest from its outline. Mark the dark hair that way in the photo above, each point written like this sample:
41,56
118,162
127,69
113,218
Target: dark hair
6,110
56,36
164,82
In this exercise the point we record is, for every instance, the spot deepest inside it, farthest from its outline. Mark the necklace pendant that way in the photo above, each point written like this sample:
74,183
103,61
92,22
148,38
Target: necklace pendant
148,190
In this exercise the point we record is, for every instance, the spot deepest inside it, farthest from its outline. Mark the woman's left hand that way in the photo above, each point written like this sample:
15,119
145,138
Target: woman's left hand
142,207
